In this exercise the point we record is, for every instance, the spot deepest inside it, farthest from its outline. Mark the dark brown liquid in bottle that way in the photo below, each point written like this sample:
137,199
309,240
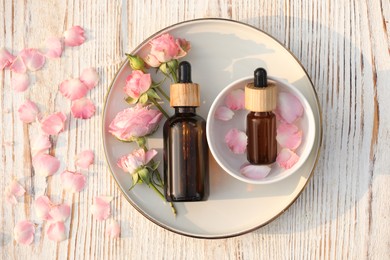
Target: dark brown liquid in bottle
185,157
261,132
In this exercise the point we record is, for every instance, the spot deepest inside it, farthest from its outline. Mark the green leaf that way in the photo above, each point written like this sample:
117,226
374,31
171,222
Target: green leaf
152,94
131,100
154,165
143,98
144,175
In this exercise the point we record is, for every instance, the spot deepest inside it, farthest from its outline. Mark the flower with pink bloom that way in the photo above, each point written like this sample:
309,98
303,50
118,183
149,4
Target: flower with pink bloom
288,136
73,181
28,112
84,159
137,83
13,190
135,122
90,78
56,231
236,141
20,82
235,100
113,229
287,158
255,172
74,36
32,59
100,208
136,160
53,47
6,58
289,107
53,124
45,164
83,108
73,89
24,232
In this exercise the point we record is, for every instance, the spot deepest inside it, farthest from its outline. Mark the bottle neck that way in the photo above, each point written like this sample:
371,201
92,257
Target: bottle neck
185,110
266,113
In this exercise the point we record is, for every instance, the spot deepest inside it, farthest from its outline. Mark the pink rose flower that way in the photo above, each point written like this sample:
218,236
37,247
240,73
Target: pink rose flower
137,83
135,122
136,160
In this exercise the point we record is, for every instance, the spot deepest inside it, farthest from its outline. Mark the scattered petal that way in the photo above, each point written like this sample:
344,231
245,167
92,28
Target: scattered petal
40,144
236,141
54,47
6,58
235,100
90,77
42,207
100,209
289,107
24,232
73,89
288,136
18,66
54,123
73,181
59,212
287,158
256,172
113,229
85,159
28,112
13,190
20,82
45,164
33,59
56,231
74,36
223,113
83,108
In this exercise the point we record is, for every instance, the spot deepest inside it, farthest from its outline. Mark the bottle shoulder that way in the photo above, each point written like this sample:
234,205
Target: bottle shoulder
185,118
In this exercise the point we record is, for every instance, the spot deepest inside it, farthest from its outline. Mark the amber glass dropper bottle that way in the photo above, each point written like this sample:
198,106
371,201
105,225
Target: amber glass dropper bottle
260,100
186,160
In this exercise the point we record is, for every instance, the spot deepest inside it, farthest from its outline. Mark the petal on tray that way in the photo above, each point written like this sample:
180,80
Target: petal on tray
289,107
287,158
236,141
235,100
223,113
256,172
288,136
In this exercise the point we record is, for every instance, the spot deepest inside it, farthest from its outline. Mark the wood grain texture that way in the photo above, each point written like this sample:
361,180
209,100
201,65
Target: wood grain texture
344,46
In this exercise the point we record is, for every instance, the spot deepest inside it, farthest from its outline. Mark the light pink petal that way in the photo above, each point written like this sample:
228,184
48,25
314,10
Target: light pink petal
236,141
223,113
83,108
33,59
73,89
59,212
18,66
45,164
28,112
20,82
42,207
256,172
13,190
74,36
54,47
100,209
90,77
113,229
56,231
152,61
40,144
24,232
10,198
289,107
73,181
6,58
54,123
288,136
287,158
85,159
149,155
235,100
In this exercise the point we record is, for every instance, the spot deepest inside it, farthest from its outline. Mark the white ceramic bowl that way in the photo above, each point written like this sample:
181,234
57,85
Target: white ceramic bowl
230,162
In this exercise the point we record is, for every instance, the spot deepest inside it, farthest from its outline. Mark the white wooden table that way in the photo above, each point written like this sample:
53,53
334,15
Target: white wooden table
343,212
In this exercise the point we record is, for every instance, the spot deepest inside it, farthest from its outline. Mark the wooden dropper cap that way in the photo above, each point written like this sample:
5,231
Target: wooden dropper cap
260,95
185,93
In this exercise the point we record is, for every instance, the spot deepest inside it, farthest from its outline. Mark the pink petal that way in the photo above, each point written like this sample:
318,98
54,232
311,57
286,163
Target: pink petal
54,123
73,89
18,66
113,230
73,181
6,58
54,47
235,100
223,113
256,172
289,107
85,159
287,158
236,141
288,136
20,82
10,198
100,209
149,155
40,144
56,231
45,164
90,77
152,61
13,190
83,108
28,112
24,232
59,212
42,207
74,36
33,59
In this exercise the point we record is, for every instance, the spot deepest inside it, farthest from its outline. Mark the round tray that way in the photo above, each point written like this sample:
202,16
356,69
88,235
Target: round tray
222,52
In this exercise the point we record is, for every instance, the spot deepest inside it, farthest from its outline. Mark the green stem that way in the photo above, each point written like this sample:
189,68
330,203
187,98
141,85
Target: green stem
163,93
159,107
163,198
